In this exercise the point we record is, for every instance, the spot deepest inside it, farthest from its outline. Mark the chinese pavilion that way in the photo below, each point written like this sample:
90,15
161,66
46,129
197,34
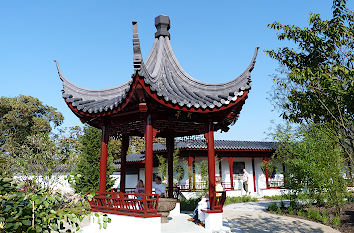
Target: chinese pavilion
159,100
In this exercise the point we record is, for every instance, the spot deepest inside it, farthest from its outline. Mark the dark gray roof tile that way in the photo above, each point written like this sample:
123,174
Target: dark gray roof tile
219,145
165,76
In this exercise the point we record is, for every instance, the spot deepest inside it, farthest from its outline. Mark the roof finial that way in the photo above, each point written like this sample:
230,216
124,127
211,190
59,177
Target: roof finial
162,24
59,71
136,47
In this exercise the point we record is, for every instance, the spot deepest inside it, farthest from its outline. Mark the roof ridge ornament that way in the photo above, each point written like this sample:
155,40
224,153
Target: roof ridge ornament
162,24
137,59
61,76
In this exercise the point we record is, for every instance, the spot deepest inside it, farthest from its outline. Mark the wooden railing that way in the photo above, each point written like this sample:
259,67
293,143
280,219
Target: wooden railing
185,187
217,201
138,205
127,190
175,193
276,183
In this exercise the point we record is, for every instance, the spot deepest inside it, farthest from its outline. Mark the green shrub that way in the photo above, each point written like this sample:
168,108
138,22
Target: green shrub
336,221
282,205
293,204
291,210
314,215
324,217
279,210
350,197
273,207
314,163
301,213
189,204
16,210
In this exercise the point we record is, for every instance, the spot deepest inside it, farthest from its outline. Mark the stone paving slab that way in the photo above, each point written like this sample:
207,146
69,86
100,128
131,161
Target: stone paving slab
180,224
251,217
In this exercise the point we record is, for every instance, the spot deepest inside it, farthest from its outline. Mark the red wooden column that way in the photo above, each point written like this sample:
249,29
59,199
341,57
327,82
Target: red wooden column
123,164
211,163
266,171
254,176
190,163
170,146
231,163
103,160
220,169
149,138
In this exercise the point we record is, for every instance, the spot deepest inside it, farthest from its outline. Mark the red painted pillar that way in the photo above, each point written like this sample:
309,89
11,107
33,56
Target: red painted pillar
123,164
211,163
220,169
231,163
170,146
266,171
254,176
190,163
103,160
148,155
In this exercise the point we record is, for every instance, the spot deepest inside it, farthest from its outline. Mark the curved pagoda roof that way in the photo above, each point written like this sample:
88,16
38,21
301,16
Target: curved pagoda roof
163,79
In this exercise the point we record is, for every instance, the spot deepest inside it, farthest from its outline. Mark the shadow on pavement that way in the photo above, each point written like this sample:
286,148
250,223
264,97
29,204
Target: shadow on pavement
248,223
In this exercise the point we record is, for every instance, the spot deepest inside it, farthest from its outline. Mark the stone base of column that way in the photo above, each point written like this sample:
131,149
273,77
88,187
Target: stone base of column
177,210
213,221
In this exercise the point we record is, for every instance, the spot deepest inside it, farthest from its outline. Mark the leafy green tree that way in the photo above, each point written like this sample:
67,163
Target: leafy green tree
315,82
314,164
68,143
178,166
25,128
202,166
86,175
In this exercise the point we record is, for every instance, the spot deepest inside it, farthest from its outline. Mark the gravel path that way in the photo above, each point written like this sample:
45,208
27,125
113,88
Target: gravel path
251,217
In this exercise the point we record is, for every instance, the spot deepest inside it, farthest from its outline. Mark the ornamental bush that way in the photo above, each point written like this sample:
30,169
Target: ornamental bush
34,211
189,204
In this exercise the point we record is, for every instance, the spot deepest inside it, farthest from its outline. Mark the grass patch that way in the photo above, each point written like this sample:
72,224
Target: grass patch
277,197
230,200
336,221
190,204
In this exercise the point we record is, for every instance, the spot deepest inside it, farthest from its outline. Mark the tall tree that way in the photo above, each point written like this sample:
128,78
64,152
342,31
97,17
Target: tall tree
86,175
25,127
315,84
314,164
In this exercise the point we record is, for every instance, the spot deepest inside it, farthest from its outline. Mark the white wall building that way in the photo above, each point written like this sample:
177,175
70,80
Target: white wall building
232,157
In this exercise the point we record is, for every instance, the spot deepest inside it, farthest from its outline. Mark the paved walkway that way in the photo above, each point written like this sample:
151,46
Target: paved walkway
248,217
251,217
180,223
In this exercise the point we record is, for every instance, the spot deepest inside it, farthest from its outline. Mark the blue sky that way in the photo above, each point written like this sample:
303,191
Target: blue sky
92,40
